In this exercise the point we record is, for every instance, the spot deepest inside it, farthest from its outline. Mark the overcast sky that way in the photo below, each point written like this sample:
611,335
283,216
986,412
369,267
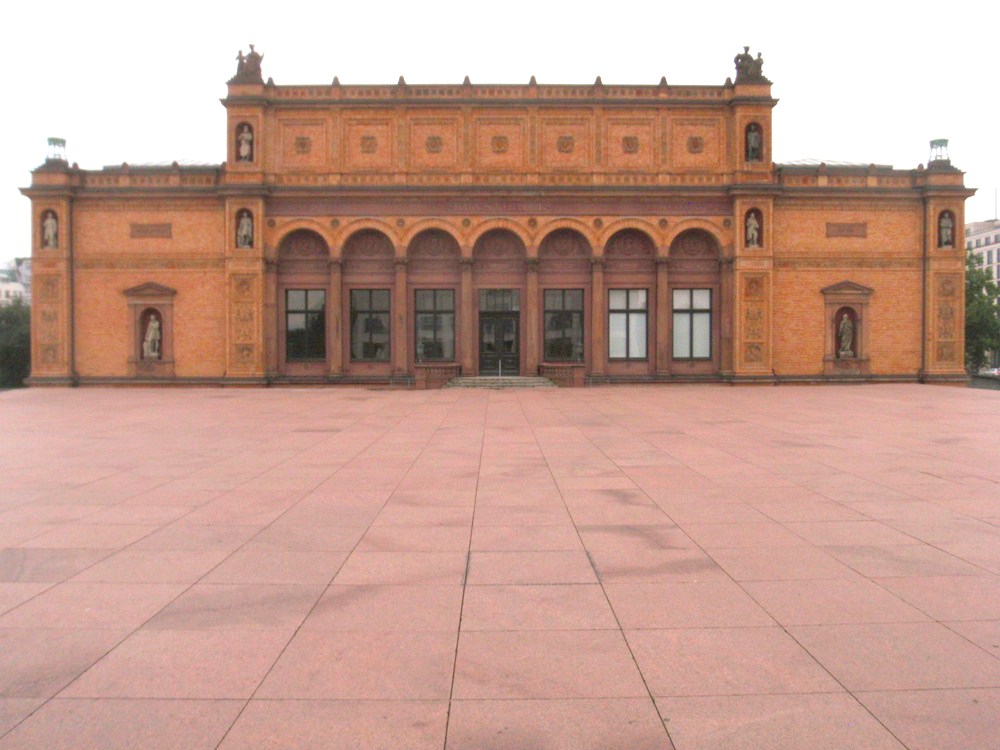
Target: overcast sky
141,82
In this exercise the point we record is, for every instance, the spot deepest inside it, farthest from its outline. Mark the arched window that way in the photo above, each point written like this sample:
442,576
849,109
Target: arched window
245,145
946,229
753,142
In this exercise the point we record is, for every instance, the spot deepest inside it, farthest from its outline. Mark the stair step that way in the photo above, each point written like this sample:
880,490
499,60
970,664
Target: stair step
494,381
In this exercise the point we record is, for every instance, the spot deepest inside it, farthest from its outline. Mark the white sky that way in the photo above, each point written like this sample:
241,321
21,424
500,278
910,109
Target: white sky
141,82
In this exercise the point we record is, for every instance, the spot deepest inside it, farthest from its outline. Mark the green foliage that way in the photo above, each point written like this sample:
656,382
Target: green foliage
15,344
982,314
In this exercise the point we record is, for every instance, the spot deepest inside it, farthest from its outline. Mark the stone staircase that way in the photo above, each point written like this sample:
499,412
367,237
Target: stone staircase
495,381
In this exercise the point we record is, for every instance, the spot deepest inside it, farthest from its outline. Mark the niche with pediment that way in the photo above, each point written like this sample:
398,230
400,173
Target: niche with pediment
846,329
151,334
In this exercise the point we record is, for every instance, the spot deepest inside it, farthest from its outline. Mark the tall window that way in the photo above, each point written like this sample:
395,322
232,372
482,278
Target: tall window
435,318
305,324
627,323
370,324
692,323
564,325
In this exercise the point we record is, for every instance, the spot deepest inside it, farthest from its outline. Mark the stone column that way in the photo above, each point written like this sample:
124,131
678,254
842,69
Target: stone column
401,327
531,304
663,316
467,319
334,318
598,315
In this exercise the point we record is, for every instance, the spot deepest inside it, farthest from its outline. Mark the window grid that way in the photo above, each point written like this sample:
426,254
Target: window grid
692,321
627,316
563,321
435,324
370,326
305,324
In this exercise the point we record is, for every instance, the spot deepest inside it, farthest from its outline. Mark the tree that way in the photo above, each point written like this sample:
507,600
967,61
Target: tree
15,344
982,314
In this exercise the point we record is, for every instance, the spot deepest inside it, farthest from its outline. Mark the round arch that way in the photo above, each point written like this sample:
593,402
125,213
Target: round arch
359,225
486,238
303,242
493,225
568,223
424,225
721,239
568,238
303,225
639,225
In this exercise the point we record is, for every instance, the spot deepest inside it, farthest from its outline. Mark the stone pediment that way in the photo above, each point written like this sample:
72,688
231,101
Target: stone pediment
847,287
150,289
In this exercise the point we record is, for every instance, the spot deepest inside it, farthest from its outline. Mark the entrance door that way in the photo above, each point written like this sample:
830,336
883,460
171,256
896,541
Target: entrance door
499,350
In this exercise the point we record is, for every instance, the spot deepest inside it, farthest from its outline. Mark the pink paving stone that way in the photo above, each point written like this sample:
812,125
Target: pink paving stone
339,725
831,721
688,501
387,607
933,719
585,724
182,664
725,661
546,664
547,607
363,665
104,724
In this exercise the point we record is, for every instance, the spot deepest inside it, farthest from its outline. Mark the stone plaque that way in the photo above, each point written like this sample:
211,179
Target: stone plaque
151,231
859,229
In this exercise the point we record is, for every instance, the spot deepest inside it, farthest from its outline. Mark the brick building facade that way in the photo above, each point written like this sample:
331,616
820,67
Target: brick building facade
408,233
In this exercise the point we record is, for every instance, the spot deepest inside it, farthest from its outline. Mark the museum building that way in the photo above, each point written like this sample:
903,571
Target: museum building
407,234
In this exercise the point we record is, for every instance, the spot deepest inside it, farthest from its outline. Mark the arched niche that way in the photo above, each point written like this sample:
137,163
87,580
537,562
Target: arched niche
629,251
753,142
49,230
244,145
753,229
946,229
244,229
846,332
499,253
368,255
564,252
151,349
433,255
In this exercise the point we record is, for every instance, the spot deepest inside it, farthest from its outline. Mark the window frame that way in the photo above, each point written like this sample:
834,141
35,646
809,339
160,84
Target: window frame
436,312
628,311
690,312
319,314
578,348
354,312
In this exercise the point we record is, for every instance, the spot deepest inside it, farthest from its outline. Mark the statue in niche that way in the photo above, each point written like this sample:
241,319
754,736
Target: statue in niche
245,144
244,230
845,332
946,230
753,143
753,229
50,230
153,338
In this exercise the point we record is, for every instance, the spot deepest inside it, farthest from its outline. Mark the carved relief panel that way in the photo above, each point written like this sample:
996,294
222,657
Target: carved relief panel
435,143
948,321
500,143
243,321
630,143
46,323
368,145
303,144
566,142
696,143
754,320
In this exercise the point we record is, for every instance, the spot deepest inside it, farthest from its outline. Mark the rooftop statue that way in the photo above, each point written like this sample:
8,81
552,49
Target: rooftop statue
748,68
248,67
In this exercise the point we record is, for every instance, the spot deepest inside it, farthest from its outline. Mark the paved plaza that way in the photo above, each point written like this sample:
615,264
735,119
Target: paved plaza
689,567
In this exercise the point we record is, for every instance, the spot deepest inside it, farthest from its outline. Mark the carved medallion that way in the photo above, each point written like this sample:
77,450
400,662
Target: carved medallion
946,318
630,144
754,353
244,353
369,144
303,144
243,323
695,144
946,351
50,354
754,286
946,287
754,321
565,144
434,144
499,144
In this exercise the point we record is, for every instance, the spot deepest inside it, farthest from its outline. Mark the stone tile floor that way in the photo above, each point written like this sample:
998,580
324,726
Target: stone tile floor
689,567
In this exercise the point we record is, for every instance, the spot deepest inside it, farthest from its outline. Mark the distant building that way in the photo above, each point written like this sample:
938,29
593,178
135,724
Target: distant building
406,234
983,239
11,290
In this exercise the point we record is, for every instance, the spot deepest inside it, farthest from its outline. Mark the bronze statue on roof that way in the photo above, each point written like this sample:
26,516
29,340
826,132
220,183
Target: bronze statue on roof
748,68
248,67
